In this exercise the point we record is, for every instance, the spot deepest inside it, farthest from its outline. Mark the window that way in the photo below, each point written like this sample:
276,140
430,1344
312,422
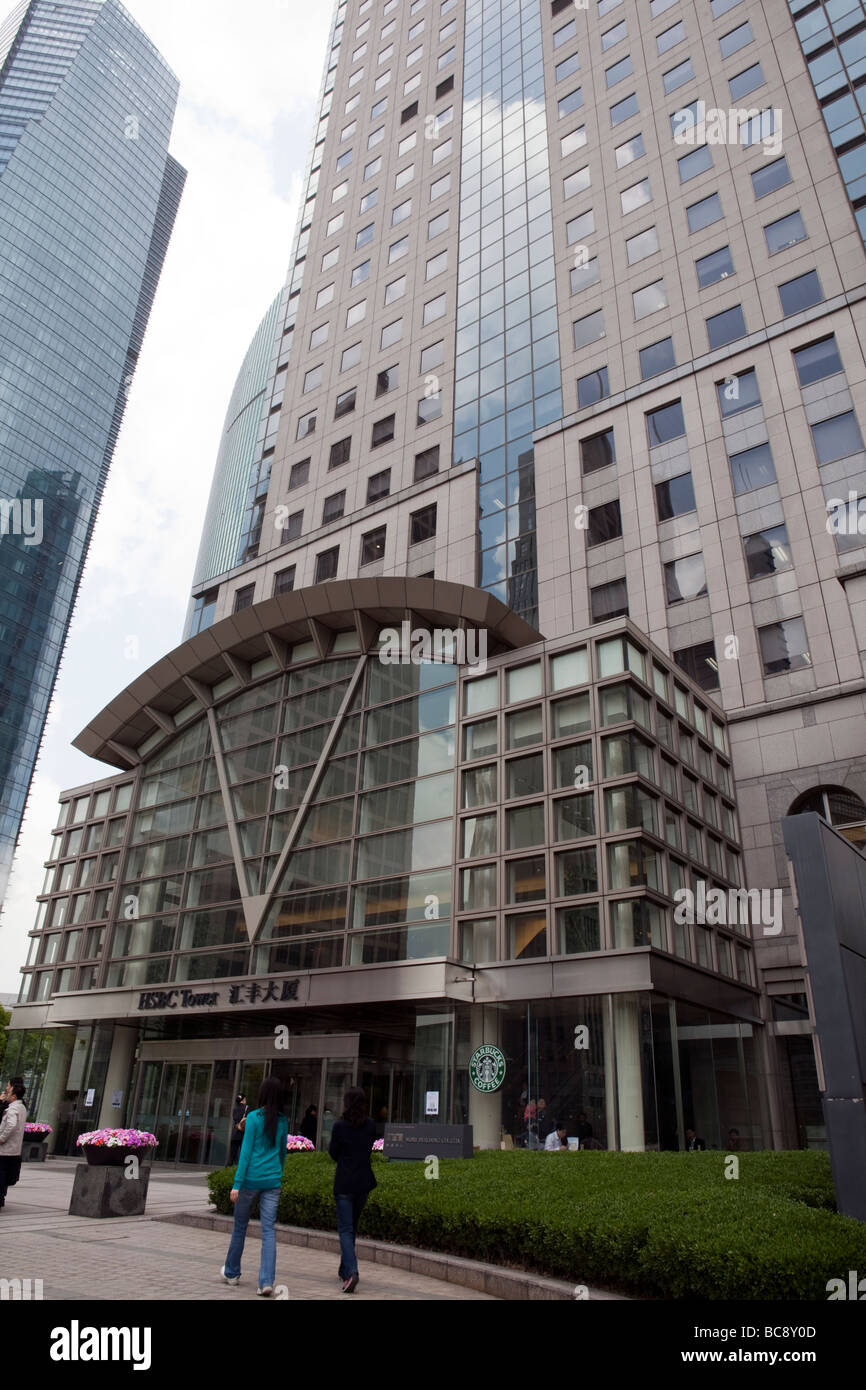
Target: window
677,77
669,38
628,152
344,160
369,200
306,425
441,152
387,381
592,387
375,137
300,474
244,597
572,101
401,212
407,143
675,497
817,360
585,275
340,453
351,357
575,140
725,327
609,601
434,309
293,527
325,295
576,183
718,265
335,224
426,463
613,36
605,523
339,191
318,336
622,110
398,249
579,227
636,196
720,7
665,423
437,225
284,581
422,524
704,213
738,393
391,333
379,486
588,329
440,187
700,663
429,408
373,545
657,357
736,39
409,113
637,248
395,290
768,177
326,564
330,258
363,237
649,300
624,68
694,163
837,438
785,232
563,34
752,468
333,508
432,356
383,430
745,82
445,58
437,265
348,130
685,579
767,552
567,68
444,87
403,177
372,168
784,647
597,451
345,403
800,293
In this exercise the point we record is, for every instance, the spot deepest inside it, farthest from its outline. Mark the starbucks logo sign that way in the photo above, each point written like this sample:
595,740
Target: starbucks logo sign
487,1068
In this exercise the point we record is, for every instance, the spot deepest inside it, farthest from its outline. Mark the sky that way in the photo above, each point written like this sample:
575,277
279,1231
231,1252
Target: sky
249,76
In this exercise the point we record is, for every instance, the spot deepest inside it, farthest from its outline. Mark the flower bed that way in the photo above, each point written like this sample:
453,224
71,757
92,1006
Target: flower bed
117,1139
299,1144
379,1146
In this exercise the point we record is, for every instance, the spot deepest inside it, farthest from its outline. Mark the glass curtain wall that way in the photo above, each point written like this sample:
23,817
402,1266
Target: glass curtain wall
507,378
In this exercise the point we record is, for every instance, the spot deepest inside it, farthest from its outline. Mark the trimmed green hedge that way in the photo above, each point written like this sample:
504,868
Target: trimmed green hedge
663,1225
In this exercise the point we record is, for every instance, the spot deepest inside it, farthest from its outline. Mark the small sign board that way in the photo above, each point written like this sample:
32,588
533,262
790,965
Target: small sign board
431,1105
426,1141
116,1100
89,1098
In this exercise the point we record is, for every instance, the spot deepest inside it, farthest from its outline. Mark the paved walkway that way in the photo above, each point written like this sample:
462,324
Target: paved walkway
139,1258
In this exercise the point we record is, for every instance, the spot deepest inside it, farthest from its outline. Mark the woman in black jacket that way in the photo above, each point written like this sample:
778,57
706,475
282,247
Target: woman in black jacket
351,1145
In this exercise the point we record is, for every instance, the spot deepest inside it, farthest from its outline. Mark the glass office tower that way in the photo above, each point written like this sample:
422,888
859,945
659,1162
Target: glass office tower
88,199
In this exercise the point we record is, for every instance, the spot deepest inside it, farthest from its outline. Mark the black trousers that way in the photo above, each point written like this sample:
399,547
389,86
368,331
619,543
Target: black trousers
10,1171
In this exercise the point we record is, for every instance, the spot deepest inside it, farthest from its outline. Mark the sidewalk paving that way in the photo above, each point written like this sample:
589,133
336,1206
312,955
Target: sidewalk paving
144,1259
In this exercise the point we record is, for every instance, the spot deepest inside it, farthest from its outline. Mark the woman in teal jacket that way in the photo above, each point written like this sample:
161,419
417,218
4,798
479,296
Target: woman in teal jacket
259,1173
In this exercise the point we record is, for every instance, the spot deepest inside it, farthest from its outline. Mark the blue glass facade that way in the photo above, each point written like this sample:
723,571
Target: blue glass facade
88,199
508,380
831,35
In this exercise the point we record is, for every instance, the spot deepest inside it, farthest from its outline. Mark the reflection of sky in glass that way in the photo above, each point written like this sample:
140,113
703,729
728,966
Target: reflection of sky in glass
507,372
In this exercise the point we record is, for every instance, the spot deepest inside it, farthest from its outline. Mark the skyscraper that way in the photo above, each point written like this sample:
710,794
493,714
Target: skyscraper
569,355
88,199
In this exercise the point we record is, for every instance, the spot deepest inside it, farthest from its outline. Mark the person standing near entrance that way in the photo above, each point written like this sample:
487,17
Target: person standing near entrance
350,1147
259,1174
11,1137
309,1125
239,1114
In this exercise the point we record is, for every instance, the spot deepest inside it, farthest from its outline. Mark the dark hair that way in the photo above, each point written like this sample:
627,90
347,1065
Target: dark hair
271,1101
16,1081
354,1107
18,1087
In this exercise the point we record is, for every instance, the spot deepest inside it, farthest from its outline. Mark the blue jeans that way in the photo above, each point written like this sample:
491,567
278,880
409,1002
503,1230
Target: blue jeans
349,1210
268,1211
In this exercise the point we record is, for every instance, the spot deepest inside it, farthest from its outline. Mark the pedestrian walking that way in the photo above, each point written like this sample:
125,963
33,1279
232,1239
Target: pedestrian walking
11,1137
351,1145
259,1174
